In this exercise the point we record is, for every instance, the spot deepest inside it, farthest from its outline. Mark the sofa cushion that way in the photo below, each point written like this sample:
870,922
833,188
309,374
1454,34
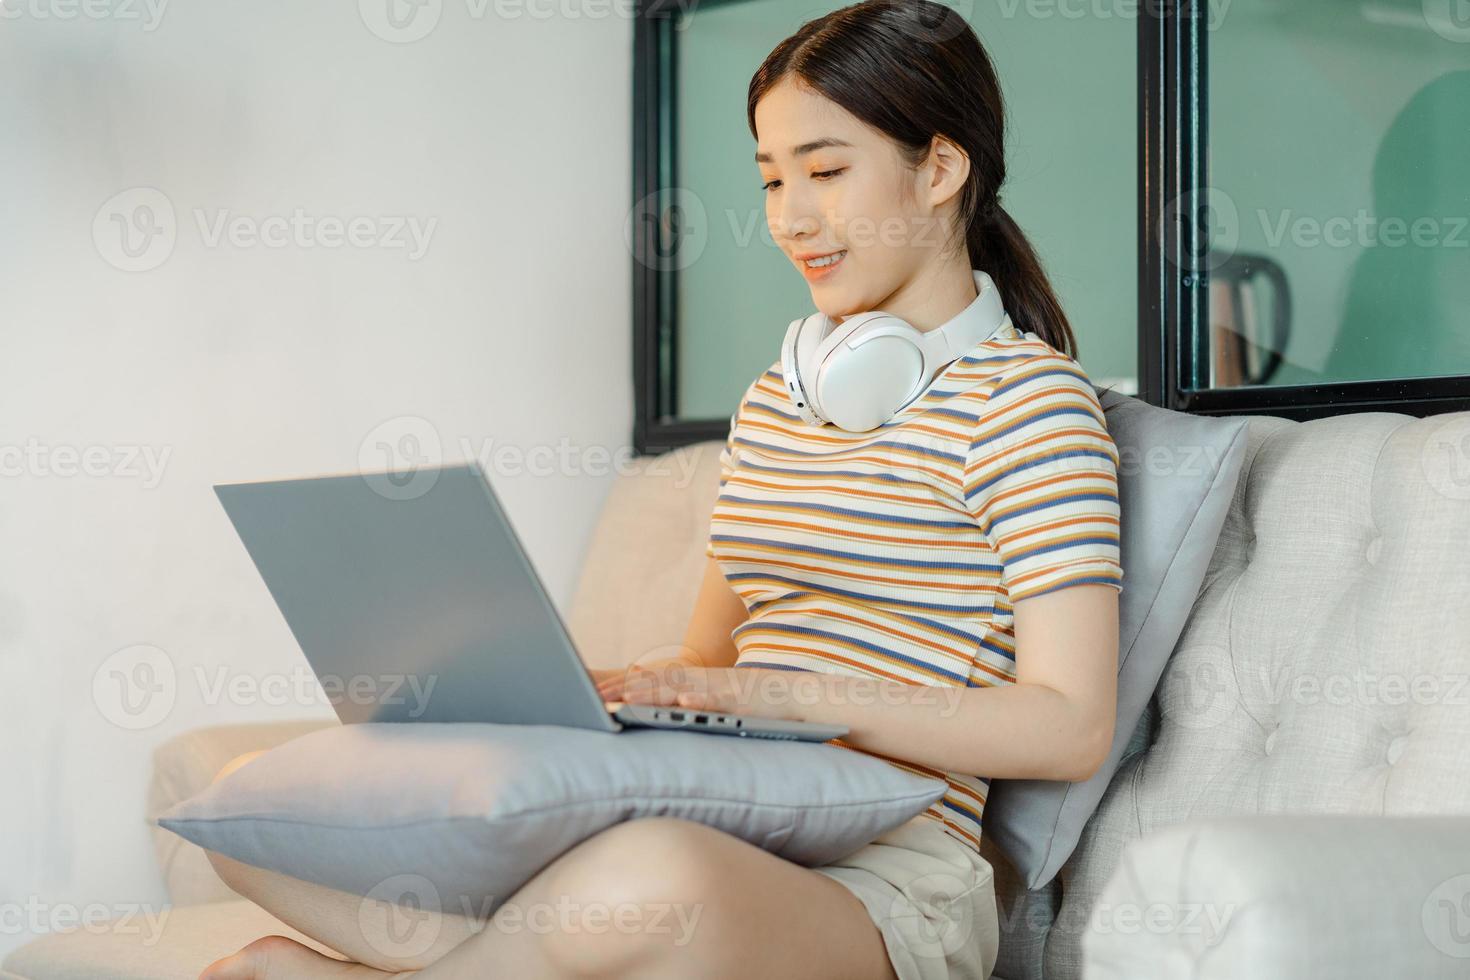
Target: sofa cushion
1176,475
645,562
178,945
1323,668
475,810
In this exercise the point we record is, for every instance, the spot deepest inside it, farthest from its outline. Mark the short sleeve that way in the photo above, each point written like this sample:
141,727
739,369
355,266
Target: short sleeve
727,466
1041,479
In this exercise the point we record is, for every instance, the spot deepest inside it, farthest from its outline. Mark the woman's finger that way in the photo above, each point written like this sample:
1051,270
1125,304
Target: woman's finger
647,687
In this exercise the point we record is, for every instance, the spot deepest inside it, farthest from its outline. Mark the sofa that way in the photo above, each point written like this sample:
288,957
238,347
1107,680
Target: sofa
1295,802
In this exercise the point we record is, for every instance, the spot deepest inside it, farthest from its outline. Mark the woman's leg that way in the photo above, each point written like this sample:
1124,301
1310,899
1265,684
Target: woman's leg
655,897
662,897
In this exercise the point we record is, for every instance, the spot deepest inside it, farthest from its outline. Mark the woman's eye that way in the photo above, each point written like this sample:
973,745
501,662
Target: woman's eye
819,175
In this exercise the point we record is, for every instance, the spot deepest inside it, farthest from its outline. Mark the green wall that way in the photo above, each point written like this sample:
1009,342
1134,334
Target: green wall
1069,85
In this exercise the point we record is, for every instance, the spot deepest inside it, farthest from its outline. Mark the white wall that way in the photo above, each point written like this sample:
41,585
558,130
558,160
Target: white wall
234,362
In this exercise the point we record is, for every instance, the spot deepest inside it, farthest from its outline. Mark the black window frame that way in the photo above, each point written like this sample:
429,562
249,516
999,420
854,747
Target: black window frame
656,428
1173,134
1173,285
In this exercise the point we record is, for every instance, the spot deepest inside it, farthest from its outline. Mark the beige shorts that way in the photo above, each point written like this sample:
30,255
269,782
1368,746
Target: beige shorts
931,896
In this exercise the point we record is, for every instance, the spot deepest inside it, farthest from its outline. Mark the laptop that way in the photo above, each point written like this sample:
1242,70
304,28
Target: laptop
413,601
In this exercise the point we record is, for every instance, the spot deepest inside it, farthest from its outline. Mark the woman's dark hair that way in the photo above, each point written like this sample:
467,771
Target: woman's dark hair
914,69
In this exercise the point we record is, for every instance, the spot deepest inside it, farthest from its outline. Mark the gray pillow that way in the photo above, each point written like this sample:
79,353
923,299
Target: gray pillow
477,809
1176,477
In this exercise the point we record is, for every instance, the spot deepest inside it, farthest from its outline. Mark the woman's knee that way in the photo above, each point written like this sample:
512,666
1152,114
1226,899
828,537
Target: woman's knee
653,859
229,871
623,900
235,763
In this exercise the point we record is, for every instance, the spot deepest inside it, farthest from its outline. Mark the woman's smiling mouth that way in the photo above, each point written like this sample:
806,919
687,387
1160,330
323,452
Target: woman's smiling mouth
821,267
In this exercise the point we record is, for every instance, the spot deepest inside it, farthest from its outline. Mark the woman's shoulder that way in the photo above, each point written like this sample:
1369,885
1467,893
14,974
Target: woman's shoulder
1015,365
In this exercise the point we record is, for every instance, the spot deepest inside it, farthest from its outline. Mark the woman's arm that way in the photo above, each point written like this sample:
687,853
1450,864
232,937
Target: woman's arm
1054,722
717,611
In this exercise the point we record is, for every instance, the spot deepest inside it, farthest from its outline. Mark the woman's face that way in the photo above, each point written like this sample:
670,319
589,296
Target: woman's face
836,187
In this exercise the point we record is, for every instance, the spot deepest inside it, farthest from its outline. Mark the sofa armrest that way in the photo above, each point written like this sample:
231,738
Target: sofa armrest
183,766
1281,897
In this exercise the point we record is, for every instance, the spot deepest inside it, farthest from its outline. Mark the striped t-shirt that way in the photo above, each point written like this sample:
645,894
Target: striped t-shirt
897,553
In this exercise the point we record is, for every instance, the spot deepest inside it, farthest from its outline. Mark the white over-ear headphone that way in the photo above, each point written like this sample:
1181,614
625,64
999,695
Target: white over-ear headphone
859,373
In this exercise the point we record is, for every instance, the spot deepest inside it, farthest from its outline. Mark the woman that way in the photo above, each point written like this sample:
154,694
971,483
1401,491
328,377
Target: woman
945,585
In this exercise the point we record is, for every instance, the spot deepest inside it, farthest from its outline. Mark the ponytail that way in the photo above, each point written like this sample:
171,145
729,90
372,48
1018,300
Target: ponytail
998,246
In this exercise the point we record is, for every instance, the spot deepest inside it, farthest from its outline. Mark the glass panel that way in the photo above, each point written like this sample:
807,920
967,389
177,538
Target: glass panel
1070,86
1339,194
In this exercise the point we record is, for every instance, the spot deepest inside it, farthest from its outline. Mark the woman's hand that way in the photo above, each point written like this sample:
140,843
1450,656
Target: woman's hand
758,691
609,681
612,682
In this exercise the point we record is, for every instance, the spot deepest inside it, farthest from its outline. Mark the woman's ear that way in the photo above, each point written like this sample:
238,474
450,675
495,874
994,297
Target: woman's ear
950,167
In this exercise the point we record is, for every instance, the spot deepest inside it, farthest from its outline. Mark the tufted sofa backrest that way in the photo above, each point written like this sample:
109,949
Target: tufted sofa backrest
1325,666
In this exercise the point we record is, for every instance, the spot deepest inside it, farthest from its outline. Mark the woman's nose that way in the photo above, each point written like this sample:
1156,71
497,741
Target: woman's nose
797,216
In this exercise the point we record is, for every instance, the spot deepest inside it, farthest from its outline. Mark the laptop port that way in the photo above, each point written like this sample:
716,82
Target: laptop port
701,719
677,715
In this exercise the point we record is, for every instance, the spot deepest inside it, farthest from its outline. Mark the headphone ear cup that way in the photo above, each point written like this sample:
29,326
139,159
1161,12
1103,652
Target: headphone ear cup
799,364
876,365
